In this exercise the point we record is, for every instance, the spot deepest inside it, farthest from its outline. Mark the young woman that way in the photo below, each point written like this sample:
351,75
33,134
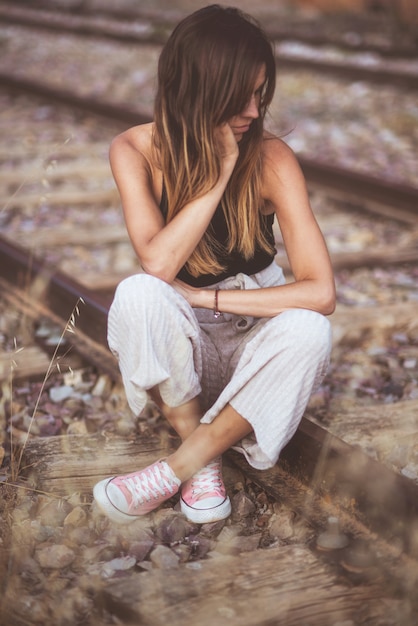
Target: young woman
228,350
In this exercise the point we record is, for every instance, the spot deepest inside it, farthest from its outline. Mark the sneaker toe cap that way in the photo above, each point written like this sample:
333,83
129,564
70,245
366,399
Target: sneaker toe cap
116,497
108,496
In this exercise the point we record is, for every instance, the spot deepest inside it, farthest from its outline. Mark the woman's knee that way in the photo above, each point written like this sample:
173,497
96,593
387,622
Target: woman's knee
308,331
140,289
138,299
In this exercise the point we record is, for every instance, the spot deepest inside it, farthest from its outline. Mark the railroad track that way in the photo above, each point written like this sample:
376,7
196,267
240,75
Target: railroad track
319,475
337,524
305,52
348,32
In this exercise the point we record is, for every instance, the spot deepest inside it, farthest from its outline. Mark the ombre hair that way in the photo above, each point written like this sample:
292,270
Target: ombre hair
206,75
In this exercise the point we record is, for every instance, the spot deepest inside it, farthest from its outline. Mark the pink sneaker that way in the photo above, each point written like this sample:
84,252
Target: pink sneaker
124,498
203,497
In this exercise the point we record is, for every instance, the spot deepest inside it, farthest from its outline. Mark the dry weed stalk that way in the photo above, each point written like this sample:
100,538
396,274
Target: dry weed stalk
70,327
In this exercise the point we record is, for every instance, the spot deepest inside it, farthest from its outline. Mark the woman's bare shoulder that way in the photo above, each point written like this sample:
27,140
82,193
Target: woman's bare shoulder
135,141
281,169
275,150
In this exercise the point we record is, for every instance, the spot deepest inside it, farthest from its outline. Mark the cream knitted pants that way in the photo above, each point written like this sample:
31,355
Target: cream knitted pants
266,369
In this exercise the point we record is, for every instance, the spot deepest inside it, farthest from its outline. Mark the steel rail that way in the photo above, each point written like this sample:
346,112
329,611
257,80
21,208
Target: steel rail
402,198
55,289
350,71
157,32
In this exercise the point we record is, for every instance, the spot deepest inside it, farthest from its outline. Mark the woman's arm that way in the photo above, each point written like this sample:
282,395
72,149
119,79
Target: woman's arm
162,249
313,288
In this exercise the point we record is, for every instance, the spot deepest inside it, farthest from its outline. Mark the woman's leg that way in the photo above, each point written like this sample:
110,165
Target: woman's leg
154,334
184,418
162,352
273,374
208,441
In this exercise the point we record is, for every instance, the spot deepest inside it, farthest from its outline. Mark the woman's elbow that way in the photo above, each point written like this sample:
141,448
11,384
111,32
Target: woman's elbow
327,300
158,270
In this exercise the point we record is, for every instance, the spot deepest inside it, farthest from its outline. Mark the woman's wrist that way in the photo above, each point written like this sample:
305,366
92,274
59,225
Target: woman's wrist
228,165
216,311
206,299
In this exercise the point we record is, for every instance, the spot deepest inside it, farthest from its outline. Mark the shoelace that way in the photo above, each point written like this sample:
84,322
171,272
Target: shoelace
148,485
207,479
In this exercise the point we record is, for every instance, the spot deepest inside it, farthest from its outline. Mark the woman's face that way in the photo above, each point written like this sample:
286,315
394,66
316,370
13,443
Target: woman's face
240,123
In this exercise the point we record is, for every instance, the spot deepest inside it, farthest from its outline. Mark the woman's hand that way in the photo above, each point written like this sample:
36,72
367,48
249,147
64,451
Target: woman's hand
196,297
185,290
228,146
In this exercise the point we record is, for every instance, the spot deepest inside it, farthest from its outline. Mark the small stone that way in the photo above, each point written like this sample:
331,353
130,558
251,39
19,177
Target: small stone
80,535
56,341
54,512
55,556
32,608
103,386
73,378
73,607
75,499
99,552
194,565
228,534
172,529
77,427
398,454
74,406
263,520
141,549
161,514
48,425
281,524
29,569
242,506
76,517
183,551
139,530
200,546
164,558
410,471
124,425
20,515
212,529
238,544
117,565
393,389
58,394
40,532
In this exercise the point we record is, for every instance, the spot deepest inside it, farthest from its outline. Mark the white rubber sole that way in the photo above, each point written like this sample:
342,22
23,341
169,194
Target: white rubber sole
206,516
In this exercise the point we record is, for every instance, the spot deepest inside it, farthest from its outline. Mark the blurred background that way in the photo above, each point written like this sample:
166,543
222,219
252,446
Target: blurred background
365,121
74,73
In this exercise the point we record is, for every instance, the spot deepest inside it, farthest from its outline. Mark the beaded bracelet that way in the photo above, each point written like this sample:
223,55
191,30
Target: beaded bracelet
216,311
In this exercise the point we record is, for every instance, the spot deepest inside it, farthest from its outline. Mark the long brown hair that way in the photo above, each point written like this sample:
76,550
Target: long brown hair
206,75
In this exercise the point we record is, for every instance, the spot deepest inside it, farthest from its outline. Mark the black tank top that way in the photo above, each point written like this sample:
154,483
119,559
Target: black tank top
233,262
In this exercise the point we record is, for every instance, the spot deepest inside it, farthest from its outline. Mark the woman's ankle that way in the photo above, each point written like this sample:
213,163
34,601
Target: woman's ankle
182,469
184,419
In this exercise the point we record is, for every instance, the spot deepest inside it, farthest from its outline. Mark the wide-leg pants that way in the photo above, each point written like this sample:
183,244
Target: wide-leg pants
265,368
